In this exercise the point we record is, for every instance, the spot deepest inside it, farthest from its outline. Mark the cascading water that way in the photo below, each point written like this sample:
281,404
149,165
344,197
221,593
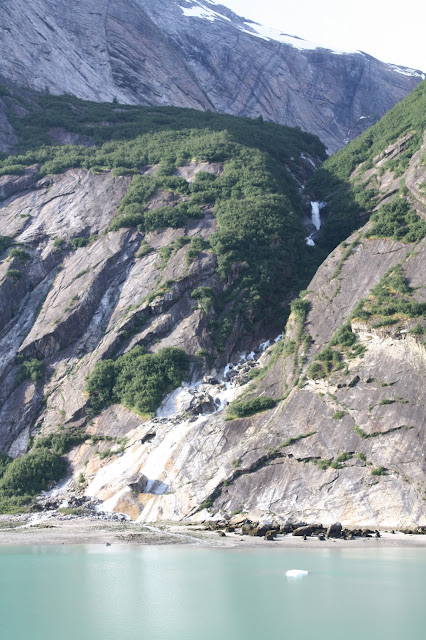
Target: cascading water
316,221
316,218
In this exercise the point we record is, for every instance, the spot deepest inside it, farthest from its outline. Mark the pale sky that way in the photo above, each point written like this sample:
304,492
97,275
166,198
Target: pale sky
390,30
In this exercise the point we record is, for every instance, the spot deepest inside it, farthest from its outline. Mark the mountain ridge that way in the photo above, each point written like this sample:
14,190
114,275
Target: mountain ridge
150,52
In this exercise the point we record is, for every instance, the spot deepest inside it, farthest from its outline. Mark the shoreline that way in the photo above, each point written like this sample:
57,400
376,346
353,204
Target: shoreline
86,531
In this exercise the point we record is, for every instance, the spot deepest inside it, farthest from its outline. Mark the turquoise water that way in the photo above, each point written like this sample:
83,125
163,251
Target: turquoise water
182,593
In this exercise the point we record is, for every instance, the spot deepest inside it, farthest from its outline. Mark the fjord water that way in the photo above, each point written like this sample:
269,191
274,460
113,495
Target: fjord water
182,593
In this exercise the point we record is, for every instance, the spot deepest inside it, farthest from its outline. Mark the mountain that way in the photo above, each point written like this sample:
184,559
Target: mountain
195,54
164,245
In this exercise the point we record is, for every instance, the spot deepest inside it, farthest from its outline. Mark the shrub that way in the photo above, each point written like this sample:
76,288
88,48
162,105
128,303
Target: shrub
4,462
60,443
339,415
59,244
5,243
32,473
20,254
379,471
397,220
241,408
15,274
137,379
31,370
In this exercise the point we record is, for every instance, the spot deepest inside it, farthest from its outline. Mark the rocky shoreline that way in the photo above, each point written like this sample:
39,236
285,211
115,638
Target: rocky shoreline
83,524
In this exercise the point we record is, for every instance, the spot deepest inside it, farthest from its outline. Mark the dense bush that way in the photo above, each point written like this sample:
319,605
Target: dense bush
31,474
242,409
60,443
398,221
4,462
31,370
5,243
139,380
20,254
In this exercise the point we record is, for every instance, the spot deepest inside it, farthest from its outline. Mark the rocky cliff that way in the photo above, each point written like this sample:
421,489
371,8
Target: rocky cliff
195,54
346,439
193,238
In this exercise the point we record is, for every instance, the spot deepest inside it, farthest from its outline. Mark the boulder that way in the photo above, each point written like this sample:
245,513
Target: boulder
334,530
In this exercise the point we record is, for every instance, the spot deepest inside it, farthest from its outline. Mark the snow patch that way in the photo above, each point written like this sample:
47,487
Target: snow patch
200,10
406,71
267,33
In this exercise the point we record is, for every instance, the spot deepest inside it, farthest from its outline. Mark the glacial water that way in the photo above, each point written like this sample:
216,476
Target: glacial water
182,593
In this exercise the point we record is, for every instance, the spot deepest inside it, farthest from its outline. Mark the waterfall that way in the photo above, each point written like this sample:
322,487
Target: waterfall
316,218
316,221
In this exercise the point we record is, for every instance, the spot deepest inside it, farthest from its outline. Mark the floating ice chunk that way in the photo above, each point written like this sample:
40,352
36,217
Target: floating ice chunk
296,573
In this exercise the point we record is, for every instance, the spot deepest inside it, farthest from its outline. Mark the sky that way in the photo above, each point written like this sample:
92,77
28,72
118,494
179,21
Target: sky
390,30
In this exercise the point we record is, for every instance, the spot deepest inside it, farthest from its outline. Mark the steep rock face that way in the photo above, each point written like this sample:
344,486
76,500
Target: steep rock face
195,54
347,446
71,308
285,462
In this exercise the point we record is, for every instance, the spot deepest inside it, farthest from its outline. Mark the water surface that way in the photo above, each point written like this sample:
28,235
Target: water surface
182,593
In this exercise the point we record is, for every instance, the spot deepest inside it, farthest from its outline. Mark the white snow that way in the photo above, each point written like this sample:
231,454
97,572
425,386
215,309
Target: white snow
201,11
310,242
267,33
405,71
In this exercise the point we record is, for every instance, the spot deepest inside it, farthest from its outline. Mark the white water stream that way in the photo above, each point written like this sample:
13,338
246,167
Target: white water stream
175,419
316,221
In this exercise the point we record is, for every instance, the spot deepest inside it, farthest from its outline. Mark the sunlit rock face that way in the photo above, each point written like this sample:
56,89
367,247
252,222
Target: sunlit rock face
194,54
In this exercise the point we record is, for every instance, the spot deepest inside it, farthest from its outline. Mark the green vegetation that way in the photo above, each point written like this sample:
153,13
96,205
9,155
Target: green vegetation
19,254
15,274
144,249
390,301
31,370
242,409
59,244
25,477
380,471
339,415
330,359
137,379
255,199
60,443
5,243
348,199
104,122
398,221
76,243
204,297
